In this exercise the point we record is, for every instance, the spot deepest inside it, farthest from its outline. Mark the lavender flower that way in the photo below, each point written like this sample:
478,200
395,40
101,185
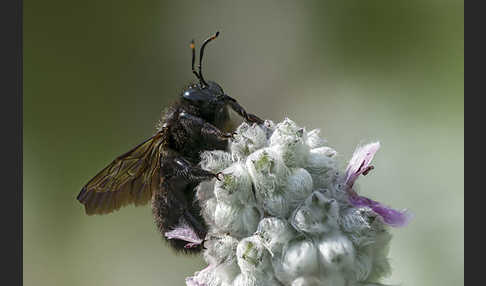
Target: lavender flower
284,214
360,164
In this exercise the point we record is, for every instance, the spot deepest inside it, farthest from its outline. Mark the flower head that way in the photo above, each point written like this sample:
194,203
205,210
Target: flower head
284,214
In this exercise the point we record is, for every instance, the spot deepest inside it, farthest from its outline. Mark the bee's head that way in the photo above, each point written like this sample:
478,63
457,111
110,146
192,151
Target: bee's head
206,95
200,95
209,100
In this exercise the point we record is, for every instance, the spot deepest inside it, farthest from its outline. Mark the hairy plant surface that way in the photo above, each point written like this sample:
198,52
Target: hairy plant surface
284,214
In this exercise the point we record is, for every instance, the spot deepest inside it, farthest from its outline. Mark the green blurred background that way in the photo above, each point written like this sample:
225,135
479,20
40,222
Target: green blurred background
97,75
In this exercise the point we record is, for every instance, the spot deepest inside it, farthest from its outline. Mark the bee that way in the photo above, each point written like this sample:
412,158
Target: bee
164,168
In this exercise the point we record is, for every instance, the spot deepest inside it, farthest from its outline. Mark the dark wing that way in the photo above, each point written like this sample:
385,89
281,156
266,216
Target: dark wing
130,178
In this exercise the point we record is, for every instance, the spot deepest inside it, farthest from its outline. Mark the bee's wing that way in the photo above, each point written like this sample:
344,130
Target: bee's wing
130,178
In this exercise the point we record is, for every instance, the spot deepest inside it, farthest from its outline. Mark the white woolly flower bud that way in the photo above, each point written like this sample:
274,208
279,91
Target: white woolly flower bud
220,248
299,259
357,224
322,166
316,215
288,140
298,187
252,256
247,279
239,221
306,281
276,204
336,252
363,265
268,173
235,187
378,253
208,208
221,254
247,140
215,161
284,129
314,140
284,214
275,233
205,191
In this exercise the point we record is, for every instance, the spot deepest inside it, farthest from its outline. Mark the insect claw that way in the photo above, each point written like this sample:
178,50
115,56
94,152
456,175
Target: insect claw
254,119
229,135
217,176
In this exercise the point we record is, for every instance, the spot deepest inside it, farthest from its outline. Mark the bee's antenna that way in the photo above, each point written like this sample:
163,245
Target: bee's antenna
193,48
201,53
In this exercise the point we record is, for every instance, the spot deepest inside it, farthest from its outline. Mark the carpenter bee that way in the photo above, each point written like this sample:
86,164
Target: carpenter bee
164,168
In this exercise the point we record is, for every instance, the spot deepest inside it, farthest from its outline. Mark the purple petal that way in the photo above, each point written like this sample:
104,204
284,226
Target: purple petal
360,162
390,216
185,233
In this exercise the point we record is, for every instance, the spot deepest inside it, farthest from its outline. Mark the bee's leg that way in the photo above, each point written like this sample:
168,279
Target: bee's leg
189,171
196,126
195,223
250,118
254,119
174,215
180,179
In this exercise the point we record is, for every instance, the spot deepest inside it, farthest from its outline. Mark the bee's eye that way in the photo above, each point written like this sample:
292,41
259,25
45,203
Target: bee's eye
197,96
